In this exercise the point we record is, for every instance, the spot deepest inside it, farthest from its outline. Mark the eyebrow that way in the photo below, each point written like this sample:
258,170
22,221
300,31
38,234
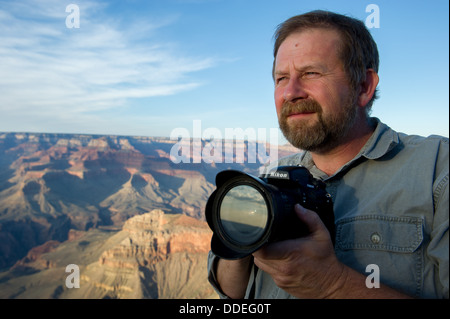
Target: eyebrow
302,69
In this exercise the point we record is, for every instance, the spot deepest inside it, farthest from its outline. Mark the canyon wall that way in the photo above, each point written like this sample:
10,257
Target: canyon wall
62,193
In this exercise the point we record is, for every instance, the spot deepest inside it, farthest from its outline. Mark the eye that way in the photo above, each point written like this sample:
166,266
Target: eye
280,79
311,75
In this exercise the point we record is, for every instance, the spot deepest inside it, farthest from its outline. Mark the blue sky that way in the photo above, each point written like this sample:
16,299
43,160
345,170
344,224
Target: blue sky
149,67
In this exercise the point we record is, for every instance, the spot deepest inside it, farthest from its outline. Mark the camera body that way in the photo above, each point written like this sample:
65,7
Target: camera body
295,185
245,212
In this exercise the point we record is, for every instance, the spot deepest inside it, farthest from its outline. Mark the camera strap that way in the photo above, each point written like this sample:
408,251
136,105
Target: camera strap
251,294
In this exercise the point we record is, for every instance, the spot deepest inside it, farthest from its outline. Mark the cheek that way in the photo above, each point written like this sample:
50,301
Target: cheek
337,93
331,98
279,100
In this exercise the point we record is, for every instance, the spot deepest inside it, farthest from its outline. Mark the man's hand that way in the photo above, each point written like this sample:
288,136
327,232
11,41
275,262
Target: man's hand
305,267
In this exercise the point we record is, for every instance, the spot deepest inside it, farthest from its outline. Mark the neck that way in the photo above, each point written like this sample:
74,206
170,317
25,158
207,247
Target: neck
330,161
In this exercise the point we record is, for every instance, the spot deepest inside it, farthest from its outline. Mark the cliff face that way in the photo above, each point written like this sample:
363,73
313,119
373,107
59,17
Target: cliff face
168,251
155,255
52,183
61,190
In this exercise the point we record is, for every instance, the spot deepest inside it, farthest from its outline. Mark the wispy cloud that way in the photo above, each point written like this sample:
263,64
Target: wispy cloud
50,71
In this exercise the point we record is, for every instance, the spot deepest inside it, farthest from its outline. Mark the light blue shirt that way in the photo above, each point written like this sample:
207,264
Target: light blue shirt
391,210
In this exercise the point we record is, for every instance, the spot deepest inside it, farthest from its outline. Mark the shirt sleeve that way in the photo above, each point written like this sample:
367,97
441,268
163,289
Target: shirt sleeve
438,248
212,276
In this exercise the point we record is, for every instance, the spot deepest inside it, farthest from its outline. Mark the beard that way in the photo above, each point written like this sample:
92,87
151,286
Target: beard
324,134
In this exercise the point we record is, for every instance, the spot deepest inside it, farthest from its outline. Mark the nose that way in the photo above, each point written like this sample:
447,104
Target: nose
294,90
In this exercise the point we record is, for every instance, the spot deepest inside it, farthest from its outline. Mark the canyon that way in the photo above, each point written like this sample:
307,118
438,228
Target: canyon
119,207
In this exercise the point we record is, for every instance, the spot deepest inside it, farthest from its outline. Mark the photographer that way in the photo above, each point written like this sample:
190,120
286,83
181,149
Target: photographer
390,190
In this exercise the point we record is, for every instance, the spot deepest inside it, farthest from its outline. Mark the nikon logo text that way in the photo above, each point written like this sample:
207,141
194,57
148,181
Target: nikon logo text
280,175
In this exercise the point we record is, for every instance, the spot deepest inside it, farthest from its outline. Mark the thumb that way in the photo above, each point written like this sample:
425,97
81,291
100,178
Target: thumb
312,220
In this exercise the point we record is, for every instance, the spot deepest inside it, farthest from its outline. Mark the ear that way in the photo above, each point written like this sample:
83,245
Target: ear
367,87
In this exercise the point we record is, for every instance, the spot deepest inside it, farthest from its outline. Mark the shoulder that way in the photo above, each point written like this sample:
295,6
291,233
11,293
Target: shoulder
388,142
433,148
427,157
417,140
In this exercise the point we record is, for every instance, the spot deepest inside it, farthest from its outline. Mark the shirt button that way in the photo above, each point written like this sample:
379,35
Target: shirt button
375,238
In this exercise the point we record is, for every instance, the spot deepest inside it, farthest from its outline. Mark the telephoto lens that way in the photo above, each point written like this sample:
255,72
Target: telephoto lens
245,212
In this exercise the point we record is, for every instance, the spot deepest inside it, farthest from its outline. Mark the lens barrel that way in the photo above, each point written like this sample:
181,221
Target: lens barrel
240,215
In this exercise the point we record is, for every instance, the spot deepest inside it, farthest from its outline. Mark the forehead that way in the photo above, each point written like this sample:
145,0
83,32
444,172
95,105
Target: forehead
308,46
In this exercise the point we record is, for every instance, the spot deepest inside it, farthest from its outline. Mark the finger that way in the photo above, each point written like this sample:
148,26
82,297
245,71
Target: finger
311,219
269,251
277,250
268,257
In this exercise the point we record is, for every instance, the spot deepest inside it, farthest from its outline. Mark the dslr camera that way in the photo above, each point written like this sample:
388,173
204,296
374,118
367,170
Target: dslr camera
245,212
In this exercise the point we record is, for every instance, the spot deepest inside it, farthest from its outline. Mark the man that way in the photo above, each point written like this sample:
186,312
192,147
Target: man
390,190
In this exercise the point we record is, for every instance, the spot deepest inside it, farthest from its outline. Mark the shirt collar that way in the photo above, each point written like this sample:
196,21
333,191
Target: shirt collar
382,141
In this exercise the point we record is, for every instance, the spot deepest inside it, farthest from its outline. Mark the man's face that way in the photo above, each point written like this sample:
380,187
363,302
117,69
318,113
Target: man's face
314,102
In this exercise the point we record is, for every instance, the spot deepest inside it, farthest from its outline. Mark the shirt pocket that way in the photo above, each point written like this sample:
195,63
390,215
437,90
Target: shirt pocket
392,243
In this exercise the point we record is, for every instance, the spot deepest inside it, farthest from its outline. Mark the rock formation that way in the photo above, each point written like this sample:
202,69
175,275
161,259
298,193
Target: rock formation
155,255
64,198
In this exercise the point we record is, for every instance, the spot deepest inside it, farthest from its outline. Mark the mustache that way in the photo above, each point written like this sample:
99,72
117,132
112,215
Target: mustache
302,106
